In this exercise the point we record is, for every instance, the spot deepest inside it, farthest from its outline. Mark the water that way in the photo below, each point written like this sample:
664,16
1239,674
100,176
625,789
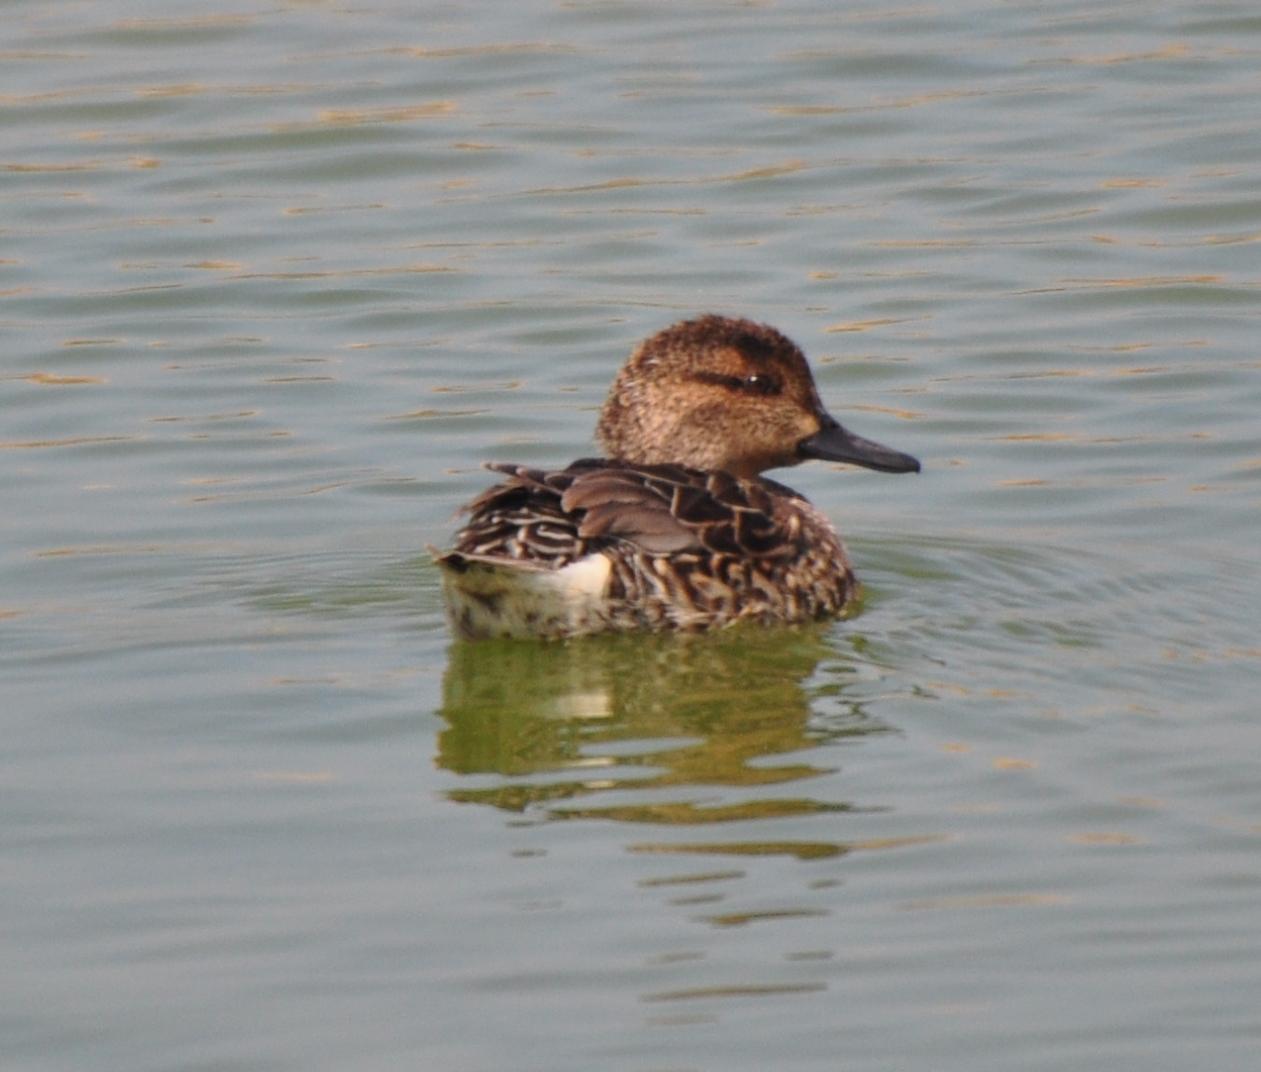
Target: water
276,280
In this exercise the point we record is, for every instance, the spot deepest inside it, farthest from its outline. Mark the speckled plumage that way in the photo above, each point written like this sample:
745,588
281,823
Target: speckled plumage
676,529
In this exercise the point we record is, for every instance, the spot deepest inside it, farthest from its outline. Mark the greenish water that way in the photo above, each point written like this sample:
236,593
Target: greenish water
276,280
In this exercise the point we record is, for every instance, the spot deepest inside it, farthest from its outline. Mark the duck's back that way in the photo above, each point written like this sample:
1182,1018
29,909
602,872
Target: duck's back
608,545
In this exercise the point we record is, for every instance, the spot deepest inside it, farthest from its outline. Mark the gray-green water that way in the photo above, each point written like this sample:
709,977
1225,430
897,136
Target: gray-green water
276,279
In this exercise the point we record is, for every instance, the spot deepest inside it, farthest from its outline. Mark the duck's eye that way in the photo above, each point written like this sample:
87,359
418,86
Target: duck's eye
759,383
755,383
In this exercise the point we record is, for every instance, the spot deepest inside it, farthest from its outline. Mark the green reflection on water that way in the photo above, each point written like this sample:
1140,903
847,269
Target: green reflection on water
642,714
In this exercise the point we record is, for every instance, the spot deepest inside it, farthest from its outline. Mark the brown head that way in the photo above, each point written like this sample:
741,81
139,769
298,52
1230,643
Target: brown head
721,393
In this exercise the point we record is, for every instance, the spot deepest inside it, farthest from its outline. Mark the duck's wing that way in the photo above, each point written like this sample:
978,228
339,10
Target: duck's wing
557,516
521,519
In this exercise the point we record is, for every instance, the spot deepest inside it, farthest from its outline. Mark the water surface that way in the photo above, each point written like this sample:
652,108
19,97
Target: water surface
275,281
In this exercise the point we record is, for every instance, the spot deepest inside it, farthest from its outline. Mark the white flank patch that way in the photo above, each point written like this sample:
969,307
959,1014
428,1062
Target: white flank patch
585,579
502,598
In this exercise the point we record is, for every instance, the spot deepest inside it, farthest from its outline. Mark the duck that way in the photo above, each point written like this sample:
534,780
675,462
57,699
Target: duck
674,527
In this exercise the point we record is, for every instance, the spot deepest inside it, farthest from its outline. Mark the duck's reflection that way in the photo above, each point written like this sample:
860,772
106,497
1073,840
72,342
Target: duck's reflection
658,729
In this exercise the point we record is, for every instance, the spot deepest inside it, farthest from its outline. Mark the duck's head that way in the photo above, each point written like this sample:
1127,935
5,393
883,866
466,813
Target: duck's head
721,393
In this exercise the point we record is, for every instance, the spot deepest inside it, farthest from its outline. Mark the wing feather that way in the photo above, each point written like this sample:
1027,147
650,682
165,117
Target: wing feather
558,516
